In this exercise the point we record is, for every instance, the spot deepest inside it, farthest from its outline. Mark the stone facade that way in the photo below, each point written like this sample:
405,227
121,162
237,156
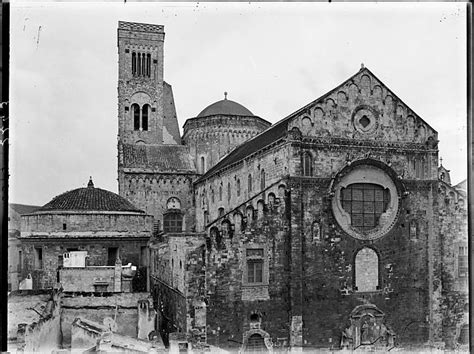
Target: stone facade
324,231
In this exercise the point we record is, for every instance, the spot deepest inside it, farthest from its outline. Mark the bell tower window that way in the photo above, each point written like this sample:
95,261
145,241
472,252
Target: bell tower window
136,116
148,64
134,64
145,110
139,62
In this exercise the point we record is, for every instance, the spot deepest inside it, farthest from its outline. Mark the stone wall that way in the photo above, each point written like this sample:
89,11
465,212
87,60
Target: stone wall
117,278
130,250
177,281
34,321
93,224
121,309
273,164
151,191
454,240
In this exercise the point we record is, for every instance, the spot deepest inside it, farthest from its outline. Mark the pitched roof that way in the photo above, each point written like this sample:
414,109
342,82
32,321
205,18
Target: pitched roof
162,158
24,208
277,131
170,120
89,199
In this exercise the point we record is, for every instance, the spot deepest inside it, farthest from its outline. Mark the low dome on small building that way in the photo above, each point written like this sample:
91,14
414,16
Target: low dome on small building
89,199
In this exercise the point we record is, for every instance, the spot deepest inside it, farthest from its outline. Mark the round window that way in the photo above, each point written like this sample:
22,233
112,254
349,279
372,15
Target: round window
365,202
365,119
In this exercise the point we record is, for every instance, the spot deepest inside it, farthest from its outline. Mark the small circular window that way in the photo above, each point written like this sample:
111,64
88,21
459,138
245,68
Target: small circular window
365,120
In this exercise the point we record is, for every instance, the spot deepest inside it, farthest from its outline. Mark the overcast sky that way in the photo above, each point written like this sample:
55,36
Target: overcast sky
271,57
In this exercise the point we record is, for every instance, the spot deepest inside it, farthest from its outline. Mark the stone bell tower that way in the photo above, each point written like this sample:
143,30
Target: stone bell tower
140,83
154,168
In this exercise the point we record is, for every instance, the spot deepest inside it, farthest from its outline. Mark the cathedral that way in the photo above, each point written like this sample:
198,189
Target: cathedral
334,228
330,228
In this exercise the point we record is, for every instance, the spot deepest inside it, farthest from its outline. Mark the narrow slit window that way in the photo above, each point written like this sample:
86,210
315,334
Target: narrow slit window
139,67
134,64
148,65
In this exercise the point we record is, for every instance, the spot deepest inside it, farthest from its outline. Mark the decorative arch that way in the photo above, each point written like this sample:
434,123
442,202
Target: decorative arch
249,212
257,341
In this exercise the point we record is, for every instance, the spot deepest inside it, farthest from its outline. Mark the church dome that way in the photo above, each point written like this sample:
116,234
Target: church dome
89,199
225,107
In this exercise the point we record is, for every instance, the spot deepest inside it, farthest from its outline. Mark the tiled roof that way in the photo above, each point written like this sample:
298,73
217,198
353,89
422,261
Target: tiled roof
23,208
90,199
162,158
225,107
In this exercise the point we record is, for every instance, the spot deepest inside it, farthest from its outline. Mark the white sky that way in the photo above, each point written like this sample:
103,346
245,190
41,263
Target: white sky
271,57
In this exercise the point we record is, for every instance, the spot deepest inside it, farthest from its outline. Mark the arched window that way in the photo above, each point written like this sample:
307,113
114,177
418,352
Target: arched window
221,212
136,116
139,64
271,199
307,164
203,164
238,221
212,196
148,64
249,183
134,63
249,213
238,187
216,236
228,191
145,110
143,64
366,270
262,179
173,221
220,193
225,226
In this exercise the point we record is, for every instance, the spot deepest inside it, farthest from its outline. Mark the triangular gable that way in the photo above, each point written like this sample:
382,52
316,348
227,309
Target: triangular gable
338,113
362,85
